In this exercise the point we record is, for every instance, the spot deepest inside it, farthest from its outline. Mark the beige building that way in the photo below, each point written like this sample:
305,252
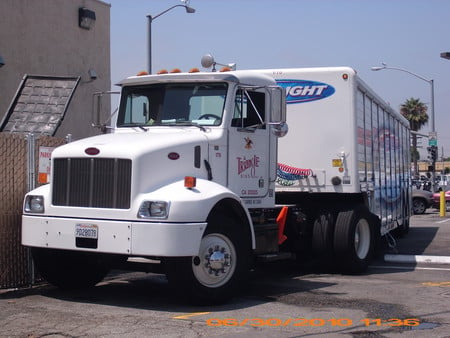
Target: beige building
55,38
440,166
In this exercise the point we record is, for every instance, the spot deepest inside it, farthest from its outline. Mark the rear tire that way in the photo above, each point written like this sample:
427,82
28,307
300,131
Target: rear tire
323,234
354,239
69,270
221,267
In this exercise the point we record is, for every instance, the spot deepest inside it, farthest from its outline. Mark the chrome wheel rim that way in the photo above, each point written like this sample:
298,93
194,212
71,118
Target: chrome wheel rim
216,262
362,239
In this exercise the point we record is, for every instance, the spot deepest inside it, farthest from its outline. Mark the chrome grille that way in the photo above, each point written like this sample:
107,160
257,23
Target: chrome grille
92,182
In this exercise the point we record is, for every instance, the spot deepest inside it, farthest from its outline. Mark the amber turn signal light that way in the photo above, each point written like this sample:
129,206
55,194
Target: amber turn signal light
190,182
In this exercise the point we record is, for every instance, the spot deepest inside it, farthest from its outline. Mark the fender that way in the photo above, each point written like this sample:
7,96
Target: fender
195,204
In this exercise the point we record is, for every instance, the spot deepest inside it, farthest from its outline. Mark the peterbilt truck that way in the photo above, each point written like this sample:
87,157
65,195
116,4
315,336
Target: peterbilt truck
207,173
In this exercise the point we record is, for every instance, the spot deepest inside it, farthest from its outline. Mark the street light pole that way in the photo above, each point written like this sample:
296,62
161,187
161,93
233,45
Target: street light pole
150,20
433,130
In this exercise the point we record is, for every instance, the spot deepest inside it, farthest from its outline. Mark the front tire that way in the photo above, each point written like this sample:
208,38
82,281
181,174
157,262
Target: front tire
220,268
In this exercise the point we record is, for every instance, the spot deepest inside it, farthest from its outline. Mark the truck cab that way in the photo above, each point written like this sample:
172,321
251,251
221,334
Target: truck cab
189,154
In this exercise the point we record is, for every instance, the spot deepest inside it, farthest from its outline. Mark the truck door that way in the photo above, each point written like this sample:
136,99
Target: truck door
249,137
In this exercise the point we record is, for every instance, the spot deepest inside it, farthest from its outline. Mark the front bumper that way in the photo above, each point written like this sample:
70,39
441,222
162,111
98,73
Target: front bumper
118,237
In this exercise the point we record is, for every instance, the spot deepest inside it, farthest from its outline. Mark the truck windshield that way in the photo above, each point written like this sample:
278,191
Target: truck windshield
172,104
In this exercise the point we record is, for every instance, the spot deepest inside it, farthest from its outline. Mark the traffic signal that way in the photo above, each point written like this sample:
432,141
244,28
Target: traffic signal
433,153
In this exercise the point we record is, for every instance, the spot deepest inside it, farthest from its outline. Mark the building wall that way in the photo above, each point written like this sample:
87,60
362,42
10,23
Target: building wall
42,37
440,166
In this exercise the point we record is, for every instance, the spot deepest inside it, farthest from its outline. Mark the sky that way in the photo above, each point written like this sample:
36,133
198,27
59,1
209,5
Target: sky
256,34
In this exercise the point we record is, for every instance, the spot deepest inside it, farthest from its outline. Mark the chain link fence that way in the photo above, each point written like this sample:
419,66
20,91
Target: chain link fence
19,165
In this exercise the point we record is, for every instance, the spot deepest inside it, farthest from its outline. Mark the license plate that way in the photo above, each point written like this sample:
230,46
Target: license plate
86,231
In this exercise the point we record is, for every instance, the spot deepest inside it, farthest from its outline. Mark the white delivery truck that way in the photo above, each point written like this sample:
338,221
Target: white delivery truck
201,175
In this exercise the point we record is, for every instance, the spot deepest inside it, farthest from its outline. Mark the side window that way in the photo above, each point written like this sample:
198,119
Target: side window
136,110
249,109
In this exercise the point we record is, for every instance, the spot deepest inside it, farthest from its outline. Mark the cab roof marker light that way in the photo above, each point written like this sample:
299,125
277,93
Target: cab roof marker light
142,73
163,71
176,70
225,69
190,182
194,70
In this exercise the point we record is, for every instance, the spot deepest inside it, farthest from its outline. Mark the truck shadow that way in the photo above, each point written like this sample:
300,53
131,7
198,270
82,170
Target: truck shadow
148,291
267,282
416,242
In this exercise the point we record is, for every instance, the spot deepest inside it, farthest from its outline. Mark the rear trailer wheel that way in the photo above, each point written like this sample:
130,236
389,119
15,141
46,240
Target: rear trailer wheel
221,266
403,226
70,269
354,239
323,234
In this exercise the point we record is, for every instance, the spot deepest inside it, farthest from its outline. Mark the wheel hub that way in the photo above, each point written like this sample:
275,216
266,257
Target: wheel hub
217,260
362,239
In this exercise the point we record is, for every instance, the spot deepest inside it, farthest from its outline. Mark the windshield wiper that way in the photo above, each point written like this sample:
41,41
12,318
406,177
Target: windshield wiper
132,125
185,123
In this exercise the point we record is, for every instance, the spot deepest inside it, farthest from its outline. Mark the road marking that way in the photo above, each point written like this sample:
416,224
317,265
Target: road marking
444,220
447,284
417,259
407,267
191,315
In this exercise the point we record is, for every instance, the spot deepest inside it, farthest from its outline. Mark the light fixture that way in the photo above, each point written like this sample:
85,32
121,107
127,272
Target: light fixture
445,55
92,74
208,60
188,9
86,18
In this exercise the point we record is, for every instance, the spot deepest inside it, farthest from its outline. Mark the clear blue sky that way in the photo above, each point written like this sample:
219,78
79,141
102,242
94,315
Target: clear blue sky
408,34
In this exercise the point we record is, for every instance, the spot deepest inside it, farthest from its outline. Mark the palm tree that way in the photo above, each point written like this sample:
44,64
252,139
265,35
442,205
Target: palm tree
416,113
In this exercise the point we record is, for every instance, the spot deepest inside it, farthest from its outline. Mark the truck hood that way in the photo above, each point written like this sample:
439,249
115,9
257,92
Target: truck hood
132,145
158,157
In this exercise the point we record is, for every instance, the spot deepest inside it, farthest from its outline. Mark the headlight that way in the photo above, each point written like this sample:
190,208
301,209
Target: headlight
154,209
34,204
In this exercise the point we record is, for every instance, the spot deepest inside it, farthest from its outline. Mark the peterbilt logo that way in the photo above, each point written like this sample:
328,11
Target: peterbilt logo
299,91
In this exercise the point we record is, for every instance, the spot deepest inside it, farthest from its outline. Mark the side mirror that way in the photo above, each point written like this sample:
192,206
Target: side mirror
278,111
278,104
280,129
96,113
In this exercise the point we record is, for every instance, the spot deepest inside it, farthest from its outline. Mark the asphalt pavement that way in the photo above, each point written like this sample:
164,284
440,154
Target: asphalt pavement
427,242
282,300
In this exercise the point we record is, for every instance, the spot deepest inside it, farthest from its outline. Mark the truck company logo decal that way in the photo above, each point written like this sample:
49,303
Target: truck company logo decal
299,91
248,143
244,164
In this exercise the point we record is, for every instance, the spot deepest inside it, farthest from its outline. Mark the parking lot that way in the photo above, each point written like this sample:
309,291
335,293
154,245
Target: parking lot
404,296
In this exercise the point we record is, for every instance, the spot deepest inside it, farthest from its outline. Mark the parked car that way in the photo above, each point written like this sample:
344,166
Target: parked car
443,182
437,199
421,200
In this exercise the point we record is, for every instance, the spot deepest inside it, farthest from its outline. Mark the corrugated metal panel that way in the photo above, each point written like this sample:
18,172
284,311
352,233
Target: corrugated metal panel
39,105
